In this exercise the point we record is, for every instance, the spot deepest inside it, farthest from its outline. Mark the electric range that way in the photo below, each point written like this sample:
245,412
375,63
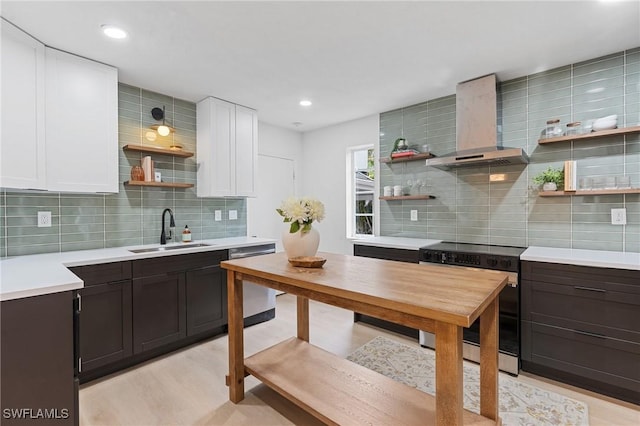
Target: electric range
481,256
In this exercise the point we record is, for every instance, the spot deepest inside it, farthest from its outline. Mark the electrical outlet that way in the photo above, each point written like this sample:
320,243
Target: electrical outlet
44,219
618,216
218,215
414,215
233,214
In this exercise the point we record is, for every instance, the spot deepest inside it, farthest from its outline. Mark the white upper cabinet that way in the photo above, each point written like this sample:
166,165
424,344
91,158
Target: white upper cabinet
227,149
22,143
59,118
246,151
81,124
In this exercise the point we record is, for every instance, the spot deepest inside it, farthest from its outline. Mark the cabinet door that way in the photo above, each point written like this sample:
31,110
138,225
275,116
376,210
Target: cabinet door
105,324
246,151
206,299
81,124
22,147
215,148
158,311
37,357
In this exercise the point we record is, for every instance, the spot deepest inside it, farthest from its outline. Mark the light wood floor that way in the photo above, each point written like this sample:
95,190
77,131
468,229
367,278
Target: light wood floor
187,386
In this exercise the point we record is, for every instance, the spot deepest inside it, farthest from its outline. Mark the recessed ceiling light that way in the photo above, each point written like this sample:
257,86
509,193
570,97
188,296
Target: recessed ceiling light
305,102
113,32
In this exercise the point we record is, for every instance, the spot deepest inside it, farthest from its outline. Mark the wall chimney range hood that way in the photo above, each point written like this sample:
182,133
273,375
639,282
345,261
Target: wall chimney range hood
477,141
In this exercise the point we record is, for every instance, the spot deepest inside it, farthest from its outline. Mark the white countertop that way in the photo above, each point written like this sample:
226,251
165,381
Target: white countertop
596,258
396,242
38,274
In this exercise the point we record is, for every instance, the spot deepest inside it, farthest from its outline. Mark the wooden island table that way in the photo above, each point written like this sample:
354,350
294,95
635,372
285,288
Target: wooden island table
433,298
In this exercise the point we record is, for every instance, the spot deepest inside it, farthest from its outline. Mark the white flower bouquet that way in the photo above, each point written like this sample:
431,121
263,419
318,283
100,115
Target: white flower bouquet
301,212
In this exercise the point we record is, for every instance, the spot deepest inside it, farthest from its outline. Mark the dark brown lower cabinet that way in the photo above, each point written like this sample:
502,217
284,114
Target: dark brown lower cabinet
580,326
133,311
159,314
37,361
105,324
206,293
105,334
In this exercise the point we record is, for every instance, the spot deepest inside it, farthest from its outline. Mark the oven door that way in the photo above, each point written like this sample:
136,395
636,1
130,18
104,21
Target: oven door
509,327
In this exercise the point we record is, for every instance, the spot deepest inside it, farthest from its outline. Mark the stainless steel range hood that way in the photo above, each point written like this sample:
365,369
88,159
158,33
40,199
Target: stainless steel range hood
477,141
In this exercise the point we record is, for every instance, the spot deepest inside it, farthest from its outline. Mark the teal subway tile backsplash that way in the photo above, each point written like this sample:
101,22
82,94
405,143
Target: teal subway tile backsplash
470,208
133,216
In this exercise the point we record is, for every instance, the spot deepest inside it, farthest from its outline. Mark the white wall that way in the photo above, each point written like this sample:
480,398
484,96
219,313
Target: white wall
324,174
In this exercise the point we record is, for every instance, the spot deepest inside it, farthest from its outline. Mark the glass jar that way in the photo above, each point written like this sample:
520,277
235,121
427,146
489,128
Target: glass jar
573,129
553,128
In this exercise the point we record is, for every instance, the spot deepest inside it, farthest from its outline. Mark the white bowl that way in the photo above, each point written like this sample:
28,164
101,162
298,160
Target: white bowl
604,124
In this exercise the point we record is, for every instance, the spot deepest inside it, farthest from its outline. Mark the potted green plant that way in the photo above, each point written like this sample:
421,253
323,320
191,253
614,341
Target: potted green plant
550,179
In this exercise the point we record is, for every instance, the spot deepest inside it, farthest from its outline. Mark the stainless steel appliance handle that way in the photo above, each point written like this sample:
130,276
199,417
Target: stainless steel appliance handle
511,282
250,253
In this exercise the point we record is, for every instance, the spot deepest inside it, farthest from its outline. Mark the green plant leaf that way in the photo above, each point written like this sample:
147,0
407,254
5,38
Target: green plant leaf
306,227
295,226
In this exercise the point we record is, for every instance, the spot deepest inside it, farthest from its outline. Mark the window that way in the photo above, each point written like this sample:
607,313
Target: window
361,180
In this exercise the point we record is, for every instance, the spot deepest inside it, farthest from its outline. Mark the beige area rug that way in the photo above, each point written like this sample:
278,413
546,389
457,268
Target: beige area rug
520,403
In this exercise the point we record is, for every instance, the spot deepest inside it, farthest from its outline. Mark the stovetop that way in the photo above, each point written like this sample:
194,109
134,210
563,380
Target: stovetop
503,258
476,248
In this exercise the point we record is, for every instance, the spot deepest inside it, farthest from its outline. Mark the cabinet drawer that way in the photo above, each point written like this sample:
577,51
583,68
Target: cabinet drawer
177,263
597,308
604,359
401,255
103,273
610,279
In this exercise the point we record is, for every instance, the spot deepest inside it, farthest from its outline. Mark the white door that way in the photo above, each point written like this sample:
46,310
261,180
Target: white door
275,183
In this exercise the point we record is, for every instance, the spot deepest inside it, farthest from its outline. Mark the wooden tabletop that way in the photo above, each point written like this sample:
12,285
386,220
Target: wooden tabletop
453,295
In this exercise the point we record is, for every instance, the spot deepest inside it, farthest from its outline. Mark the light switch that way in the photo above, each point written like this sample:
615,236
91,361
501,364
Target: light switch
217,215
618,216
414,215
233,214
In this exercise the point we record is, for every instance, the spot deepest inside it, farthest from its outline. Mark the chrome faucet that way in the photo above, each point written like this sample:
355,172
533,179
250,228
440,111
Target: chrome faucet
172,227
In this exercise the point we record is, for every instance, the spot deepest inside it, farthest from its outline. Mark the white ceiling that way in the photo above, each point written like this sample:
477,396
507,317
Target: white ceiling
352,59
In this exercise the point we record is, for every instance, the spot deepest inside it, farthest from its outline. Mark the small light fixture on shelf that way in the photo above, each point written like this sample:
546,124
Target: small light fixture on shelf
162,129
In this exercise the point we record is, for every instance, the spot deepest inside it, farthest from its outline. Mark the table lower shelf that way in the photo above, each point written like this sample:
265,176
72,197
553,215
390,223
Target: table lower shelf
338,391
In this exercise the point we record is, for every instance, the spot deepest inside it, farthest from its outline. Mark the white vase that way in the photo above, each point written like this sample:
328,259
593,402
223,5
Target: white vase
549,186
299,243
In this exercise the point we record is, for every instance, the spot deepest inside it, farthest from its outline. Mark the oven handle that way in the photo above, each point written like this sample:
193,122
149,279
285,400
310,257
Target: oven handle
512,281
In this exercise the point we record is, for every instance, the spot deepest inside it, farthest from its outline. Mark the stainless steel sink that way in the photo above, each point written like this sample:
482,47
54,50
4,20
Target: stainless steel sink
169,248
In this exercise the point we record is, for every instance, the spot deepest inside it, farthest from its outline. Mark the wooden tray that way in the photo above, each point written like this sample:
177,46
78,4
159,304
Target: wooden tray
307,261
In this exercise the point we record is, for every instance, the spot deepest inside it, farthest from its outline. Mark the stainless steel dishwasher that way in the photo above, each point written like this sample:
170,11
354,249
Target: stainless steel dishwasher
259,301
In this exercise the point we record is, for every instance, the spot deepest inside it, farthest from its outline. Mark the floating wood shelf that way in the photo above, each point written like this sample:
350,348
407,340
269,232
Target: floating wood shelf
592,135
419,156
158,150
408,197
158,184
591,192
